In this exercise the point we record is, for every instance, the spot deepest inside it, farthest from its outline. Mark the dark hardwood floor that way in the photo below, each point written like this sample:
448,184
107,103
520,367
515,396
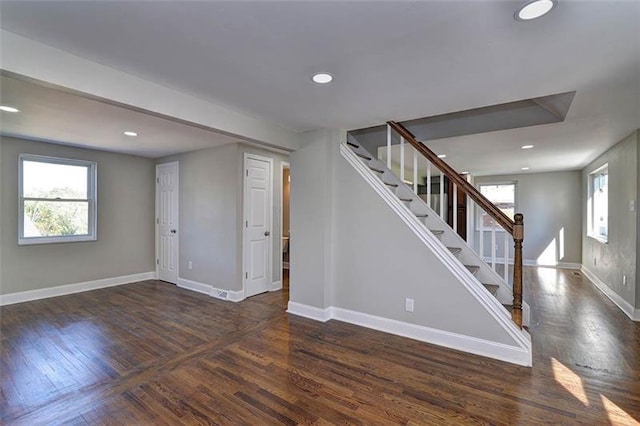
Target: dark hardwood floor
152,353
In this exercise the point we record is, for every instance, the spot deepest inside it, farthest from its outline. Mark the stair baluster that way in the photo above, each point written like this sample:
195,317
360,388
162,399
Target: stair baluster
498,218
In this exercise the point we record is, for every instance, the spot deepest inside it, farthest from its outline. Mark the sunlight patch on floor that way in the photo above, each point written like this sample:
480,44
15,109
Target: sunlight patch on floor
617,416
570,381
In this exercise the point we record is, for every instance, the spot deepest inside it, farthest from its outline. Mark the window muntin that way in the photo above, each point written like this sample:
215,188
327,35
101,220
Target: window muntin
598,204
57,200
503,195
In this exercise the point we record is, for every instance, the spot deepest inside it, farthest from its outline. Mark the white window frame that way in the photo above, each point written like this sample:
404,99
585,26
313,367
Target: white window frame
515,203
591,206
92,199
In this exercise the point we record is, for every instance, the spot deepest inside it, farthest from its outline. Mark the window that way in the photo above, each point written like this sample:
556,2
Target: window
57,200
598,204
503,195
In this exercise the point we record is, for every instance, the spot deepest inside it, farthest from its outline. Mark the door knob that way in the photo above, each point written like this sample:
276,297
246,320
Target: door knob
267,233
173,231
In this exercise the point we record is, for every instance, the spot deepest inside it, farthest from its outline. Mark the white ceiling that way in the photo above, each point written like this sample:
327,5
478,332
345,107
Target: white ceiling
391,60
51,115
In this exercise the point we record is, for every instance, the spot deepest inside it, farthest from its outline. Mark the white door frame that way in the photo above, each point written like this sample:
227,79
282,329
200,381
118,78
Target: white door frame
245,194
157,225
284,165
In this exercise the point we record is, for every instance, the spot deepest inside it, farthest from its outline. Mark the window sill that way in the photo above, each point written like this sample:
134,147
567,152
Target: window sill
55,240
599,239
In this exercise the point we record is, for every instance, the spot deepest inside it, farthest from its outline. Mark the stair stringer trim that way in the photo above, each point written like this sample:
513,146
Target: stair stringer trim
491,305
505,291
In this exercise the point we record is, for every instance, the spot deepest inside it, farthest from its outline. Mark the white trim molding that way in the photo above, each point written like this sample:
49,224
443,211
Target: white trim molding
533,262
308,311
513,354
209,290
624,306
196,286
62,290
235,296
276,285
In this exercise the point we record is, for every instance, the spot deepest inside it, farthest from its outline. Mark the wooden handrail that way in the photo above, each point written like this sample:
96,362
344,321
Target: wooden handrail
497,214
513,227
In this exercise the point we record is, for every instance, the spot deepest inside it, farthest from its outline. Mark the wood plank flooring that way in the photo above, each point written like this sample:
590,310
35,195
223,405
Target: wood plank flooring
152,353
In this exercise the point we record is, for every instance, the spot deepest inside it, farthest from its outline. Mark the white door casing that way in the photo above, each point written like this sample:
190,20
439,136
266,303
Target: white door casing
283,166
257,215
167,187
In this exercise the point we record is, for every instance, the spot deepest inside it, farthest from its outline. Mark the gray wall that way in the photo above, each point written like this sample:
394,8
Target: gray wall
211,188
551,204
125,242
310,259
208,216
618,256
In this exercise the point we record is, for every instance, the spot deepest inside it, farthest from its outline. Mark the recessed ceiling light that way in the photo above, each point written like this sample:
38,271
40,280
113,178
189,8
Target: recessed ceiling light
534,9
7,108
442,155
527,146
130,133
322,78
525,168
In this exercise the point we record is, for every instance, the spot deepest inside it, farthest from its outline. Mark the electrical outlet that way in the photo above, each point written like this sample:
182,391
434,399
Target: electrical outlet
408,305
190,265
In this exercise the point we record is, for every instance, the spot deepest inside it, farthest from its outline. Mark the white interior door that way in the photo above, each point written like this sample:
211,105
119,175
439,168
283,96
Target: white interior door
257,241
167,222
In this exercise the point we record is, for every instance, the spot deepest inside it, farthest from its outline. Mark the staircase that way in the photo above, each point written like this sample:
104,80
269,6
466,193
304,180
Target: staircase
480,278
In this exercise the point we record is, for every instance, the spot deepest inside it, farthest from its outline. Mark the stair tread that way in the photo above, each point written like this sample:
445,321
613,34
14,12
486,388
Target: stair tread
493,288
391,184
437,231
355,145
422,215
375,169
455,250
472,268
405,199
364,156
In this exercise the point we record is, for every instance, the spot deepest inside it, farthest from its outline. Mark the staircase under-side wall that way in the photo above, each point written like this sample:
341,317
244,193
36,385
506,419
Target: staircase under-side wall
493,292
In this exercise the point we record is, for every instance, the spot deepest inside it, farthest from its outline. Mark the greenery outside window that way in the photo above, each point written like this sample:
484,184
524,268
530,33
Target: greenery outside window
598,204
57,200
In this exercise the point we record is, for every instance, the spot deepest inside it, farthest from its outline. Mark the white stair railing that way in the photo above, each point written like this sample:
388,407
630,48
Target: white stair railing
483,224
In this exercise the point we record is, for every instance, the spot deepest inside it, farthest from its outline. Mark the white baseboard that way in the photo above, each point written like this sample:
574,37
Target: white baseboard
276,285
209,290
533,262
310,312
235,296
195,286
502,352
624,306
44,293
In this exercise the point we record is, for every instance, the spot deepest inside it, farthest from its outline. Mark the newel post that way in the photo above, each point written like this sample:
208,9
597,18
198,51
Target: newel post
518,236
